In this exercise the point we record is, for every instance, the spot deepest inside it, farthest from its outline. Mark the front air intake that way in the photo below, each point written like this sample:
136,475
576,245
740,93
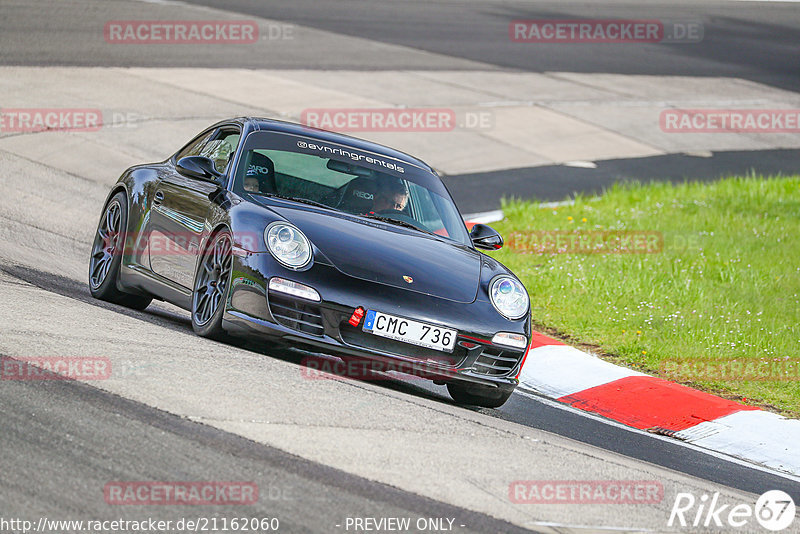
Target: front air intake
296,314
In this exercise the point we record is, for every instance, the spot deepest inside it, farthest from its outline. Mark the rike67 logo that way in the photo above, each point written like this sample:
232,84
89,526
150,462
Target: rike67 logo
774,511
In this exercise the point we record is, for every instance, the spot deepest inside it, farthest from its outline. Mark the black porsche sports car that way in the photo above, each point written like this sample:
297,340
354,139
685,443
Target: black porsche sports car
320,241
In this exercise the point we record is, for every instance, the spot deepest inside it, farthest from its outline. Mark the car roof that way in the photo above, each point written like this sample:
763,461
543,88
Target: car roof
263,124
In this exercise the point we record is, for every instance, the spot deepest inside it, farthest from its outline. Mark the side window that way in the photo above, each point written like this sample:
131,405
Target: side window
425,208
194,147
221,148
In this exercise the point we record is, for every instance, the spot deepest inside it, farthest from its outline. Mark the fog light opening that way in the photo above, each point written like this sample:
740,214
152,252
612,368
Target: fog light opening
518,341
295,289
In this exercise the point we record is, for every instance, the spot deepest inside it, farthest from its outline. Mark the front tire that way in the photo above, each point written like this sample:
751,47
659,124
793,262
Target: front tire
107,250
478,395
211,285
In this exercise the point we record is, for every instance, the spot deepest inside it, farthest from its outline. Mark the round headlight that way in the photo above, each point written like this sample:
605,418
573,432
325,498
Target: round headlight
509,297
288,245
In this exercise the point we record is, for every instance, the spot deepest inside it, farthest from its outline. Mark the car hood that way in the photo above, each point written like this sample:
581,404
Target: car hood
380,252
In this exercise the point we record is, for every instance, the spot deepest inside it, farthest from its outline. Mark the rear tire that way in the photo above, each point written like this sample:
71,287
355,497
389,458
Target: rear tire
478,395
211,285
106,258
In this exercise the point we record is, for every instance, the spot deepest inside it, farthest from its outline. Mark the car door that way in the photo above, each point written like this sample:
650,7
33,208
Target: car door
181,205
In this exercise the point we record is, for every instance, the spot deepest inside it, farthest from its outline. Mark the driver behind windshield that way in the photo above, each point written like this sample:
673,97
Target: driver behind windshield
260,176
392,194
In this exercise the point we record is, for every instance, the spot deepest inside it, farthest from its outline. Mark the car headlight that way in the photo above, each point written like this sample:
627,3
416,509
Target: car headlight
288,245
508,297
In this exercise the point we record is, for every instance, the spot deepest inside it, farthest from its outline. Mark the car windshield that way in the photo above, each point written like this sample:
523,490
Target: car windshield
347,180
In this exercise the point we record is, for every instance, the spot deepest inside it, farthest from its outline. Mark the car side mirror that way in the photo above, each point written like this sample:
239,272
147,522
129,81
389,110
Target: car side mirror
198,167
485,237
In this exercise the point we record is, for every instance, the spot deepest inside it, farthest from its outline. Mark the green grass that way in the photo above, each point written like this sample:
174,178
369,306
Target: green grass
726,284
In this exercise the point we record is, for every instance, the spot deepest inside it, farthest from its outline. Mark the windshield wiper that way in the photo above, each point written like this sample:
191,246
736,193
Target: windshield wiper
299,199
398,222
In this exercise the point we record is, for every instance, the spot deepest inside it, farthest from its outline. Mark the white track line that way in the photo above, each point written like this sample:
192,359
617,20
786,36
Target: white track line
722,456
484,217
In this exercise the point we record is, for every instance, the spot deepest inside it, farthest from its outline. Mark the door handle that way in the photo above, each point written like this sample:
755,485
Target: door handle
159,197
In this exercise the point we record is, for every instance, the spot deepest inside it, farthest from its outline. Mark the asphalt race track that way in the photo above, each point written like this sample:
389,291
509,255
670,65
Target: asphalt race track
744,39
181,408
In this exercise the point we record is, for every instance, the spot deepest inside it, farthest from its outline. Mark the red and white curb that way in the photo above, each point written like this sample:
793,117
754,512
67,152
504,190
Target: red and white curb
583,381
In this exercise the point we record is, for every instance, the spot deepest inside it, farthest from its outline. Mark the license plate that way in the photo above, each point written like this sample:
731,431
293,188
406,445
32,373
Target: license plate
408,331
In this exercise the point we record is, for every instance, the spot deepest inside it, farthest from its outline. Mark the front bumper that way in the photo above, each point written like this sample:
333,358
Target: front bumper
253,310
